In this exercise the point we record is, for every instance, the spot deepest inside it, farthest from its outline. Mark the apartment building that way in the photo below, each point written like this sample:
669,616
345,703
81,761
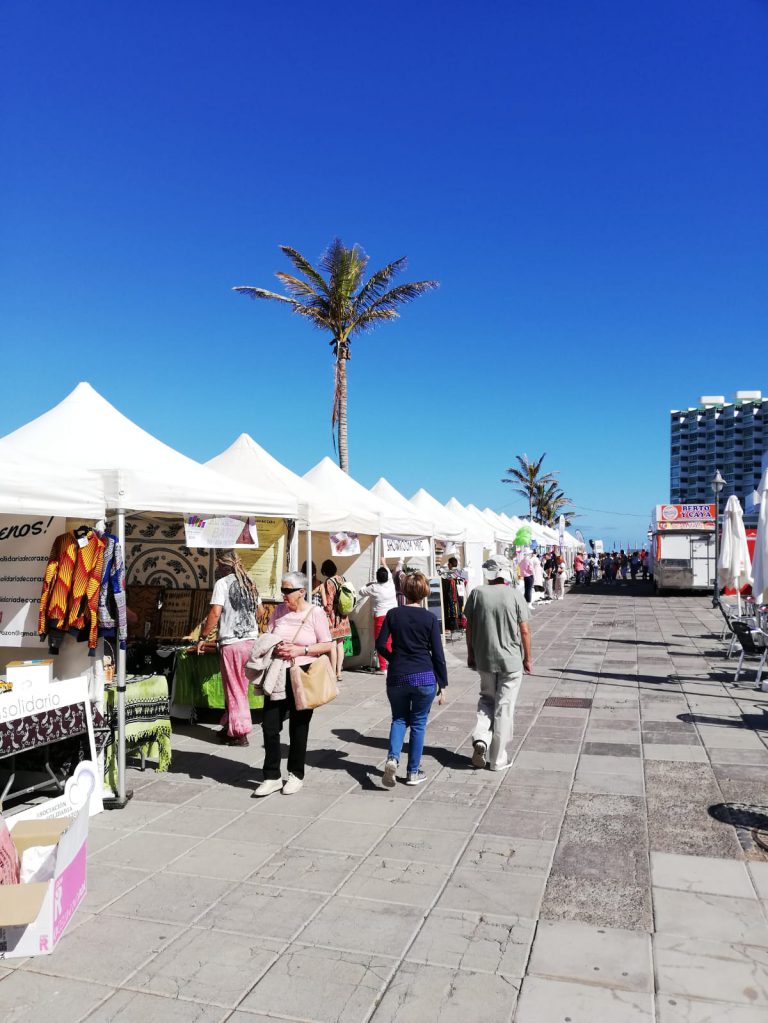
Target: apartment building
731,436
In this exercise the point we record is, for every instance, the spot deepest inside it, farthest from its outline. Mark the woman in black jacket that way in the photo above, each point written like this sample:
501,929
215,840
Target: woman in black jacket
416,673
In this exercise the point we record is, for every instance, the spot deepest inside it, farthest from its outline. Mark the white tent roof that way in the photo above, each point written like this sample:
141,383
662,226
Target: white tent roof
31,486
504,530
383,517
446,525
384,490
248,462
478,530
139,472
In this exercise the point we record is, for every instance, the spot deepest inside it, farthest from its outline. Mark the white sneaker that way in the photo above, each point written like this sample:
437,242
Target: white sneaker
416,778
267,787
390,770
292,785
478,755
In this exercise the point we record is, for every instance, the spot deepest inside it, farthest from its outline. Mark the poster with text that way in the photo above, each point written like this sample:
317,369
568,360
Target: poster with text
405,546
25,546
221,531
266,565
345,545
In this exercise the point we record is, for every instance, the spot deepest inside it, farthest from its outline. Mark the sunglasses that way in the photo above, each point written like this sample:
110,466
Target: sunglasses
285,590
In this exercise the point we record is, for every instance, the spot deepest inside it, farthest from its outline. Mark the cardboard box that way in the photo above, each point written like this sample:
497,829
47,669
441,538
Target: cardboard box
36,673
33,917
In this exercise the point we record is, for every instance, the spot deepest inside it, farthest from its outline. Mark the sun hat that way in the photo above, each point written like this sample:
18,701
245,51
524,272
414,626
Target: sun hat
497,567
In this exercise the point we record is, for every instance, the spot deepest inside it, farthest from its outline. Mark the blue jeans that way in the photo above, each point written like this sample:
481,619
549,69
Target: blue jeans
410,709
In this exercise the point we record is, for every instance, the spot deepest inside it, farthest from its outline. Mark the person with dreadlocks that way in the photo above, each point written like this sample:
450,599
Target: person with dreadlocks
234,606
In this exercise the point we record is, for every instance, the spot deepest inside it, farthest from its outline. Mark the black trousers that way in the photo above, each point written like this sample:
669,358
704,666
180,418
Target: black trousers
528,588
275,713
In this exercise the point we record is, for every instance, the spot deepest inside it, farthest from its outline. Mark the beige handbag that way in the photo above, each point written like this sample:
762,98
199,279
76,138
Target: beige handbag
313,684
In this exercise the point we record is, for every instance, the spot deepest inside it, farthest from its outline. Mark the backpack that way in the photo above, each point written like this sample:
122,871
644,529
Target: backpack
346,597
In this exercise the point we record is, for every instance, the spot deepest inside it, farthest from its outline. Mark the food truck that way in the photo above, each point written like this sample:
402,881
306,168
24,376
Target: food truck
683,547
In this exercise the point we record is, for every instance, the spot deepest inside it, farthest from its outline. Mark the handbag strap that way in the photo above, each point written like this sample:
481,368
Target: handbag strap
302,623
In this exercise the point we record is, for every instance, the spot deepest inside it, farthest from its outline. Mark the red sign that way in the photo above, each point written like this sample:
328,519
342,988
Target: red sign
692,514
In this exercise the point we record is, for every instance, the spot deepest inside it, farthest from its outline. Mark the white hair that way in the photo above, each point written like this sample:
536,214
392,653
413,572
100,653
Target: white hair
297,579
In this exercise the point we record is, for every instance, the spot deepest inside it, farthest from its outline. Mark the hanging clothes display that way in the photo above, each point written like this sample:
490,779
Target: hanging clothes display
112,617
71,586
453,603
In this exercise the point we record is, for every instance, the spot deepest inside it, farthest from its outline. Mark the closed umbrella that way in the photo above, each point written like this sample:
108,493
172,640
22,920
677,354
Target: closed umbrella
760,564
734,567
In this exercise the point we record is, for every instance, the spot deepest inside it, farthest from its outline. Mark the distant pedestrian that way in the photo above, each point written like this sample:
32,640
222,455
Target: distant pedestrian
538,575
384,599
499,648
559,578
415,675
525,567
338,623
578,568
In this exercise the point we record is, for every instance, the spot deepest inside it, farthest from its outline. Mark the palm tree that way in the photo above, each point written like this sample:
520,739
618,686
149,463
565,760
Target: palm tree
527,476
550,502
335,298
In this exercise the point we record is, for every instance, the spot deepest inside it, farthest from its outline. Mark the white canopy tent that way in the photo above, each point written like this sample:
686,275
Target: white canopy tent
33,486
446,525
138,473
384,490
478,529
504,532
248,462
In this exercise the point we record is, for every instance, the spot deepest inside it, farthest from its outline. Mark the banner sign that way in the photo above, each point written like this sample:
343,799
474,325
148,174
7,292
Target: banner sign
405,546
265,565
220,531
345,545
25,546
689,524
687,513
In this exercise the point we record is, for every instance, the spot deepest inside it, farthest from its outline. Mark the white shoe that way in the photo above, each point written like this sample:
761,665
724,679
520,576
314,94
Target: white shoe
390,770
267,787
416,778
478,756
292,785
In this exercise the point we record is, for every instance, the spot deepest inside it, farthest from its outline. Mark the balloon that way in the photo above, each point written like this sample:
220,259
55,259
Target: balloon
523,537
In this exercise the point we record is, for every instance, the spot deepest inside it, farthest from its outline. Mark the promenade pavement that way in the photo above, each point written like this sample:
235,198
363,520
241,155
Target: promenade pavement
600,880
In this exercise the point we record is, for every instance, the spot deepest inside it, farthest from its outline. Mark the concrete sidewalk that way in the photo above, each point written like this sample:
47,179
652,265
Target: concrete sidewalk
591,883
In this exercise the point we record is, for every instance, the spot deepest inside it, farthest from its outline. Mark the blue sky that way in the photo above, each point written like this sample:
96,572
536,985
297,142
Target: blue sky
587,180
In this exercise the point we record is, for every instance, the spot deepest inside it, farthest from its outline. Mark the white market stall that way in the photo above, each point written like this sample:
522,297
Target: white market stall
138,474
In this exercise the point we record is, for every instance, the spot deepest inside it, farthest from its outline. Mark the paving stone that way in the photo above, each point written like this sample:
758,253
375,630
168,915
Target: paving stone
383,810
370,926
307,870
424,815
263,828
567,950
701,874
689,1010
207,966
228,859
27,997
521,824
611,749
433,994
559,762
714,917
553,1001
167,792
130,1006
595,782
340,836
516,855
698,968
257,909
474,942
627,863
107,883
489,891
89,951
610,765
195,821
601,902
434,847
396,880
677,753
320,984
172,898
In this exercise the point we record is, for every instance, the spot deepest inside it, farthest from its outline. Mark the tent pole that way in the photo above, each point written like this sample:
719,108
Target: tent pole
310,577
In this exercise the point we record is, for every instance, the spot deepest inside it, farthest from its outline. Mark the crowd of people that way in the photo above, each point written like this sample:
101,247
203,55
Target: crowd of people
308,627
611,567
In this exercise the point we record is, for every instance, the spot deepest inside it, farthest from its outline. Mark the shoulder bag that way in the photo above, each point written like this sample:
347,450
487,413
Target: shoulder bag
314,684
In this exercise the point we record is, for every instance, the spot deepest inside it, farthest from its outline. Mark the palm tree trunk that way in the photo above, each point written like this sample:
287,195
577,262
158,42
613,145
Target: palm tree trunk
530,505
342,424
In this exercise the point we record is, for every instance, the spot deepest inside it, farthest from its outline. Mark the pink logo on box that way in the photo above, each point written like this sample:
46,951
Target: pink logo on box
68,892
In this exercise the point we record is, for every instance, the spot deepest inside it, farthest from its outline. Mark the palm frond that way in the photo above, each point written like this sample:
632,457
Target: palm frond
304,266
379,281
298,288
245,289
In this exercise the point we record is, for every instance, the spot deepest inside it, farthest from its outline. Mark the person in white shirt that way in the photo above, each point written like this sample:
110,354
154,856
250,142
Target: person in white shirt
384,597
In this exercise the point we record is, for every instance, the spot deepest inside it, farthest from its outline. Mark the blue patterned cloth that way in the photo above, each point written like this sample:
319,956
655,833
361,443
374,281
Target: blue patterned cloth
419,678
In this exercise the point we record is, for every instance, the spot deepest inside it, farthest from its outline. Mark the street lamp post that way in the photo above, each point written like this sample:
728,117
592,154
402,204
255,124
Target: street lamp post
717,487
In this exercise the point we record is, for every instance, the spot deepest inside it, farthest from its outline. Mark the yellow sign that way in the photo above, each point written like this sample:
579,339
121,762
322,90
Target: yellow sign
266,563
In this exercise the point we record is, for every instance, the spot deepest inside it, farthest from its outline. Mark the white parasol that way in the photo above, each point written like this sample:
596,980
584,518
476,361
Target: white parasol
760,564
734,567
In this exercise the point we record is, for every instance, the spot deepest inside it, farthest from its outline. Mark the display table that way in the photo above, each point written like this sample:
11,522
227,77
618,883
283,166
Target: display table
147,723
197,683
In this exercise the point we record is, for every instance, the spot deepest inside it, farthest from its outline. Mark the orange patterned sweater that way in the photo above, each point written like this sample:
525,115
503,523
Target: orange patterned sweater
70,598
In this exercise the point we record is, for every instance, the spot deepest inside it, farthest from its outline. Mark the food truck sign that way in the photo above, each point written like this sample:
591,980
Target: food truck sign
685,516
